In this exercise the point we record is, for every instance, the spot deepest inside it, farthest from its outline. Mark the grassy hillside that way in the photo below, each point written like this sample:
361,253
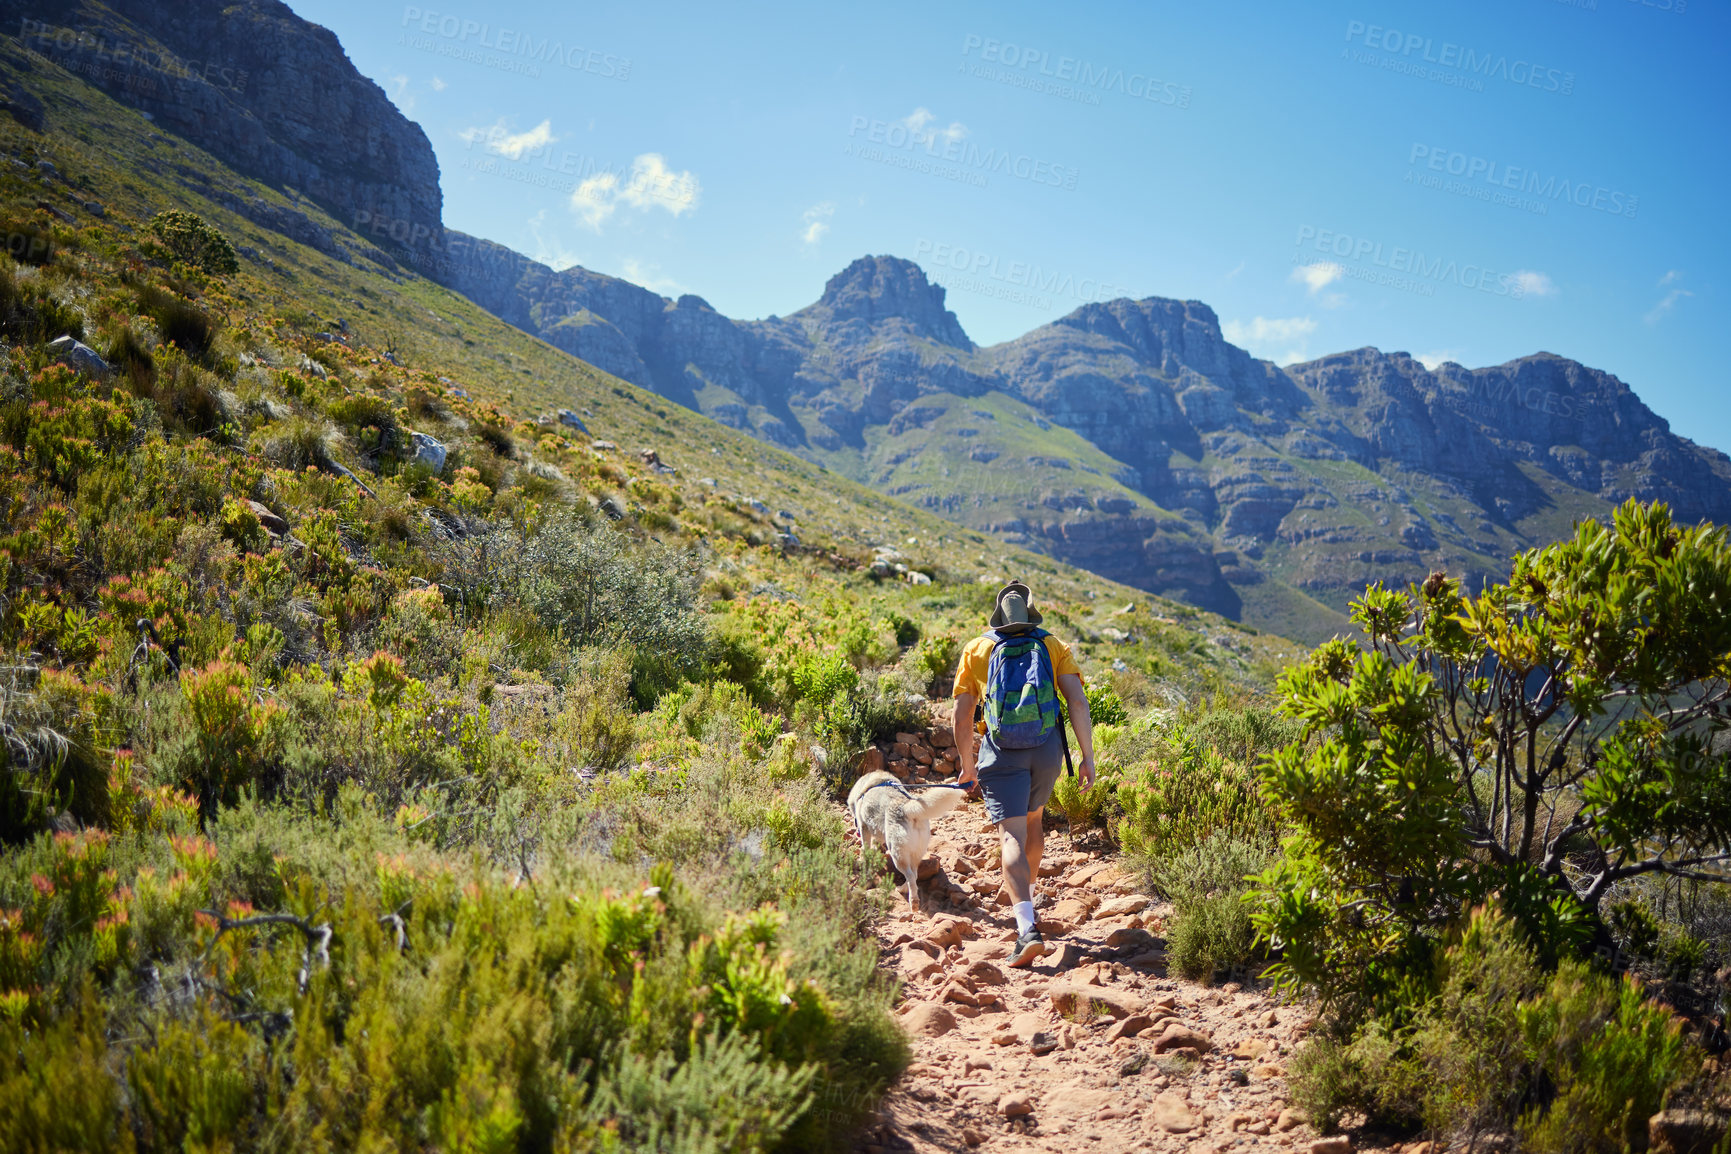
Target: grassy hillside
352,797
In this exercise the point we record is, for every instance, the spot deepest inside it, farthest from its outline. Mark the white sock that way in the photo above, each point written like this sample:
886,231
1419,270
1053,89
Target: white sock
1024,912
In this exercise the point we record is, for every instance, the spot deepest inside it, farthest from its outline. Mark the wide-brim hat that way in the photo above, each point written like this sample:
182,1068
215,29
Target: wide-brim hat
1000,620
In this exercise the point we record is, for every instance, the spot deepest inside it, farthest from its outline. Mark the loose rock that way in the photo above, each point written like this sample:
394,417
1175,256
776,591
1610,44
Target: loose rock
1172,1114
930,1020
79,356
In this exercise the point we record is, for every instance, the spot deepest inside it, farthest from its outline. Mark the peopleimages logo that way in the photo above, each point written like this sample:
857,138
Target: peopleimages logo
1403,268
1067,77
98,58
1014,281
1487,399
516,50
1525,182
1465,67
950,155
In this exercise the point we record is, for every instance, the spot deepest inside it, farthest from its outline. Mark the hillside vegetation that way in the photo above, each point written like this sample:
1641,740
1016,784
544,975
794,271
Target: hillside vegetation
391,762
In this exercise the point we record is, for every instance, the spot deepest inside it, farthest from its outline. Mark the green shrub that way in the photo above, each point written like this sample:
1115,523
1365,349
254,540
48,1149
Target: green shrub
31,313
592,585
1572,1060
1081,808
1105,707
188,239
1478,746
1206,883
178,321
937,658
1612,1057
1185,792
50,756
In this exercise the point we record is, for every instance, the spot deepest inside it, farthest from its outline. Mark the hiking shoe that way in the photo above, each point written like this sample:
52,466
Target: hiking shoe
1028,947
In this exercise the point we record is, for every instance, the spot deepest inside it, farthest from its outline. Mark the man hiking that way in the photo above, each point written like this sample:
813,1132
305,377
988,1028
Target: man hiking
1017,670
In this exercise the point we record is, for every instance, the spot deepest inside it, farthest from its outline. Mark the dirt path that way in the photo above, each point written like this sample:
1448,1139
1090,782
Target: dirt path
1094,1048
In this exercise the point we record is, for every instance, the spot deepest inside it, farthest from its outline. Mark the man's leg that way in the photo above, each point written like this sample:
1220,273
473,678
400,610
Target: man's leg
1020,835
1018,878
1034,847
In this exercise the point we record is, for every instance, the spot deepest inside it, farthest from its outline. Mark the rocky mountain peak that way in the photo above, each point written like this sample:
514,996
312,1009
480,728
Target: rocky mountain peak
880,289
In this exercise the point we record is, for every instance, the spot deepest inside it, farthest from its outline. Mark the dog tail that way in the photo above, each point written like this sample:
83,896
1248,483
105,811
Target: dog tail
929,803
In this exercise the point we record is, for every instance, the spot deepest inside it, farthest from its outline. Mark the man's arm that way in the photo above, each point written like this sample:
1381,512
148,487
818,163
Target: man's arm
1070,685
962,726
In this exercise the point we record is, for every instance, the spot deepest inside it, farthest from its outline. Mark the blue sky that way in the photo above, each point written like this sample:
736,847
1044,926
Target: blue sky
1472,182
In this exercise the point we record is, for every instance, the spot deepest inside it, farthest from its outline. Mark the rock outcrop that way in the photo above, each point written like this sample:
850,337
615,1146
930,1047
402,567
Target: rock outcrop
1194,468
268,93
1129,437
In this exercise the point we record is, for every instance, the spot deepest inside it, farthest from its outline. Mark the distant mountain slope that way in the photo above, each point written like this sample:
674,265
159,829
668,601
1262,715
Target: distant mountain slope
1129,437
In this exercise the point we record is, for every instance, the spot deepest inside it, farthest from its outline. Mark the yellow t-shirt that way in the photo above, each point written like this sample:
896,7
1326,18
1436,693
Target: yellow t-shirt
977,657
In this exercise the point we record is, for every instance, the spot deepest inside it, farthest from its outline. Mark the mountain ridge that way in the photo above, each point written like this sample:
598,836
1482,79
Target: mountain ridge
1128,436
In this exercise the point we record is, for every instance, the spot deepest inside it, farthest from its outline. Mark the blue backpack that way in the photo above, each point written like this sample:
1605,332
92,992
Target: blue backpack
1021,698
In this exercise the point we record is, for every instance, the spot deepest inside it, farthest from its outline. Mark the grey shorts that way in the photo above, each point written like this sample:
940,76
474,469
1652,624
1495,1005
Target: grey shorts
1016,782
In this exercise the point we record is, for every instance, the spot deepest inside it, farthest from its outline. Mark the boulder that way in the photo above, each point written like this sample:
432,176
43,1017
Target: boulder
1071,999
985,973
1128,1027
1015,1104
1129,936
273,524
1684,1132
929,1020
946,932
78,356
1122,907
1335,1144
1072,910
1173,1115
871,761
567,417
1178,1036
428,452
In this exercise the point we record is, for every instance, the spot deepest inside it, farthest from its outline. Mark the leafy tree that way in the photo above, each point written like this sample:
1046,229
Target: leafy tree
189,239
1531,746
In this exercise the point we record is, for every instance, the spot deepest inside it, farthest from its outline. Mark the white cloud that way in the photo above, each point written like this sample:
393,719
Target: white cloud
816,220
1669,300
511,145
1264,336
438,84
919,119
516,144
653,185
400,94
1318,276
1434,360
1261,330
1534,284
649,184
649,276
549,250
593,200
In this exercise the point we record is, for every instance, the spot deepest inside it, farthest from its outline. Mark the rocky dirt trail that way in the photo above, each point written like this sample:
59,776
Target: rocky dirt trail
1093,1048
